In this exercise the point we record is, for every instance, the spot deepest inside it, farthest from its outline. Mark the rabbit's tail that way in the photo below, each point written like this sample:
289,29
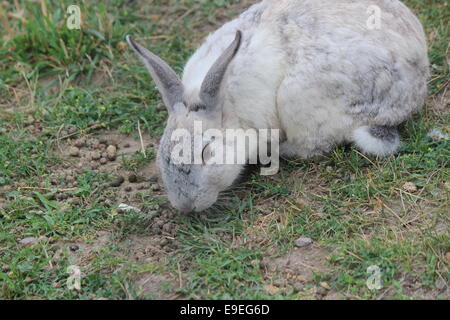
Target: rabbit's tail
377,140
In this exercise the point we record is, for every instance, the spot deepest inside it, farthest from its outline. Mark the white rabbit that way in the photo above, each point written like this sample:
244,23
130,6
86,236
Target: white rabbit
316,70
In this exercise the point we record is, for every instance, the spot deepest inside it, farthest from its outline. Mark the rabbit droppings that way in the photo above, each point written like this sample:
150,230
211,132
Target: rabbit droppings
316,70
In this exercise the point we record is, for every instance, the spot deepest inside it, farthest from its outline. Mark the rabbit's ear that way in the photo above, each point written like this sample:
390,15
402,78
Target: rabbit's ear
167,81
211,84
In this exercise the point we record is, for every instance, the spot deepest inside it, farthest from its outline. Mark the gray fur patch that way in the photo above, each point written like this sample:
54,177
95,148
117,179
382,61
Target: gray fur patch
388,134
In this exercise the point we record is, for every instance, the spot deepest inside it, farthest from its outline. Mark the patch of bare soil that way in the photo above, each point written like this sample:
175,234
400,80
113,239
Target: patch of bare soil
440,102
103,153
300,262
151,286
145,249
149,249
413,288
81,252
295,271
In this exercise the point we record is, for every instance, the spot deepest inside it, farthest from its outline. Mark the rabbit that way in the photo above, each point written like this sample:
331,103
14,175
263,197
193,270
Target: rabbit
313,69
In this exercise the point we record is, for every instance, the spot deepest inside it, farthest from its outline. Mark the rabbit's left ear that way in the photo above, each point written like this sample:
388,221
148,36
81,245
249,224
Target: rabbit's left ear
167,81
209,92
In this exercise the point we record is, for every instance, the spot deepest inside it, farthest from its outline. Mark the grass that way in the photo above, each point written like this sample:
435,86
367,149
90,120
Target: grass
55,81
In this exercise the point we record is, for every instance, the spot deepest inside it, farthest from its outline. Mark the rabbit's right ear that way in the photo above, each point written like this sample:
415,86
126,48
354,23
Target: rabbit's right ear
209,92
167,81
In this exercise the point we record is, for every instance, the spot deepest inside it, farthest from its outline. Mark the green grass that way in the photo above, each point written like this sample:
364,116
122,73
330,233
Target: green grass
54,81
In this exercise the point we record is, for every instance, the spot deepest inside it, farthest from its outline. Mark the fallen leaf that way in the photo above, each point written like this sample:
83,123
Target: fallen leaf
30,241
325,285
410,187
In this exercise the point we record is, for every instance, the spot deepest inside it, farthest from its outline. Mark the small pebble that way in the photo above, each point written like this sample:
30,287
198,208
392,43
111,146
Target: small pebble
94,165
117,182
132,178
95,155
80,143
112,152
322,291
74,247
74,151
325,285
103,161
156,187
298,286
303,242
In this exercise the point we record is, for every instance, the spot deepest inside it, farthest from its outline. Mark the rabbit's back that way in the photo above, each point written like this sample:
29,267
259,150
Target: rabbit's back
377,73
316,58
343,74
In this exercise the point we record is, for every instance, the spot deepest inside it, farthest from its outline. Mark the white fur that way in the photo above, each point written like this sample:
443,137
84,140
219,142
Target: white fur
312,69
373,146
303,75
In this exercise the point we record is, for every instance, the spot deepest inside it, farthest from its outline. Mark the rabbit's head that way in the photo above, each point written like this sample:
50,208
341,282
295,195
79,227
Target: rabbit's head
195,184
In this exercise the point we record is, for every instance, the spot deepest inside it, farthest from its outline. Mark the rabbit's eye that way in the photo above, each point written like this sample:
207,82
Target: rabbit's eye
206,153
197,107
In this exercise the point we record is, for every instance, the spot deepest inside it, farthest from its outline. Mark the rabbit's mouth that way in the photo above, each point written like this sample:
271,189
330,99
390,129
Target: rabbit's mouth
200,204
186,209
